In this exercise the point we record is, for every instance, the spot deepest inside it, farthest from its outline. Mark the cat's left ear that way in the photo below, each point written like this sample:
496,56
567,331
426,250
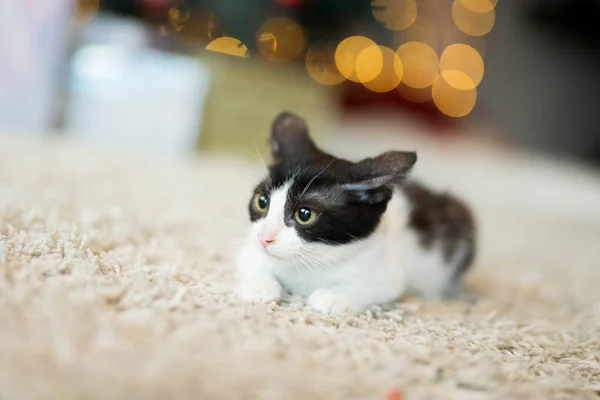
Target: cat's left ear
290,138
378,174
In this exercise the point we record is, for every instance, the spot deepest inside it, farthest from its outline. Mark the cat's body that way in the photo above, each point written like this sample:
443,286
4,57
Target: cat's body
348,235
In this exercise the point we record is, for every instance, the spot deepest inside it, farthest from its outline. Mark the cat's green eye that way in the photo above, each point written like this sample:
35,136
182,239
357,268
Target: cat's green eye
261,203
305,216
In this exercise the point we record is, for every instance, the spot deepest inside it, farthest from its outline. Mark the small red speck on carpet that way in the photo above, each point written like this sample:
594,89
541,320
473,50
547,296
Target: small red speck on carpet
393,394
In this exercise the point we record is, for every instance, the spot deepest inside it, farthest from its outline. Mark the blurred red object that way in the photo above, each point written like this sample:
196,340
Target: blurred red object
393,394
356,98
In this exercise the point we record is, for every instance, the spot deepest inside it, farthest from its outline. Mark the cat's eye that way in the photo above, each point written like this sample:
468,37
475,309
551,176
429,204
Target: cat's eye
261,203
305,216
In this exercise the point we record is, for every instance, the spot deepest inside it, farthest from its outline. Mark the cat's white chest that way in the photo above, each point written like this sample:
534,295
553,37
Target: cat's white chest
349,264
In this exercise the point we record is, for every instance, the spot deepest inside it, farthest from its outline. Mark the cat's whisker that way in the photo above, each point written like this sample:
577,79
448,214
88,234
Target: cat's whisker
234,242
264,164
299,273
245,163
261,160
315,270
258,167
352,236
322,267
314,261
307,266
320,253
315,177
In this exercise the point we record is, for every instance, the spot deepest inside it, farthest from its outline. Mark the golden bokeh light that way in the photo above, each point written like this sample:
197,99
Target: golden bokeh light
267,44
85,10
395,14
280,40
463,58
458,79
320,64
479,6
384,64
369,63
470,22
414,95
451,101
420,63
228,45
346,54
179,15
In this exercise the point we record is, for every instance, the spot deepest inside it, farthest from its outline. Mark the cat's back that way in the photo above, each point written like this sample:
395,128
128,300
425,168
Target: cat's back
435,236
441,219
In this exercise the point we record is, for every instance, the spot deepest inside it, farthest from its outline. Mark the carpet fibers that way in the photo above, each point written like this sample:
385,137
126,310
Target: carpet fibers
115,283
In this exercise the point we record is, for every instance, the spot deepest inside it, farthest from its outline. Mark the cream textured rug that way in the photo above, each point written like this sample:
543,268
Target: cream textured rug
115,275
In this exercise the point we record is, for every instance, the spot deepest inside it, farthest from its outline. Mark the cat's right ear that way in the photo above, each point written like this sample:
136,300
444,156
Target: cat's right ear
289,137
379,174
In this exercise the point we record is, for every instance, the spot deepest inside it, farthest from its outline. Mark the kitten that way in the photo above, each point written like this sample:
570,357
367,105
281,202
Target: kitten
346,235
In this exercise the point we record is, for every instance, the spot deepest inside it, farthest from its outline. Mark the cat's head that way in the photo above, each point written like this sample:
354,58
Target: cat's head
310,198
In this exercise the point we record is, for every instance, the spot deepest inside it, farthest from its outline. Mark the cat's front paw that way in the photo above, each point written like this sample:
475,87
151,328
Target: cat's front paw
260,291
328,302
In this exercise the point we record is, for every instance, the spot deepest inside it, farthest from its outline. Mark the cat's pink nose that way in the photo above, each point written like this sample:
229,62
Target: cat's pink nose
265,239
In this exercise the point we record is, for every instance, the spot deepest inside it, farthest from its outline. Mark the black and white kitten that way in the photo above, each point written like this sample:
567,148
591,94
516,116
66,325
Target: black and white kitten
346,235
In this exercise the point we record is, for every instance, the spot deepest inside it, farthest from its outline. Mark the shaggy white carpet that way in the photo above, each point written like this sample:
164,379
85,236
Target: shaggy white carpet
115,276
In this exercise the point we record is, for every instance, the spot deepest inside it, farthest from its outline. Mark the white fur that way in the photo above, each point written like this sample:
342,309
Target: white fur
344,278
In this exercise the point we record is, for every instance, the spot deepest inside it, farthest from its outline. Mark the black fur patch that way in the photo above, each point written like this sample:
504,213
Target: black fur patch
349,198
439,218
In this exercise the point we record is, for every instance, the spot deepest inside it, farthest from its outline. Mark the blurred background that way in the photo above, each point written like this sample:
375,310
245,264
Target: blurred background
171,76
